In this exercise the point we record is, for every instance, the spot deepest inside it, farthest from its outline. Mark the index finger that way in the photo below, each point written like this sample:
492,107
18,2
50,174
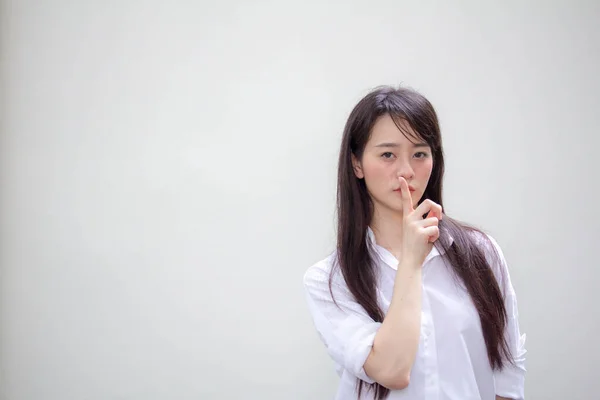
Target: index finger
407,204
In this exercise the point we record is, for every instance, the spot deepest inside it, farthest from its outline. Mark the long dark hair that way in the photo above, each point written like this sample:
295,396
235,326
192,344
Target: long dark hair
355,210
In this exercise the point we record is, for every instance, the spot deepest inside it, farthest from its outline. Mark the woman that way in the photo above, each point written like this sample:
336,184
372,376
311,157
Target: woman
412,304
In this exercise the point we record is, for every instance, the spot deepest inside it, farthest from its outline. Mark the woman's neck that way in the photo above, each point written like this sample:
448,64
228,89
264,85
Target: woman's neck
387,227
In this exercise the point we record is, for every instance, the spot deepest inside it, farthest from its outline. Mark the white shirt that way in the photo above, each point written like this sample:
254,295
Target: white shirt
451,361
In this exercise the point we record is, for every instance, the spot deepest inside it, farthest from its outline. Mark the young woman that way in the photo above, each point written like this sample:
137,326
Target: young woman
412,304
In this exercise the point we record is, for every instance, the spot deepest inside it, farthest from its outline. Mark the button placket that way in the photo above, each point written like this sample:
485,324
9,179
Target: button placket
430,352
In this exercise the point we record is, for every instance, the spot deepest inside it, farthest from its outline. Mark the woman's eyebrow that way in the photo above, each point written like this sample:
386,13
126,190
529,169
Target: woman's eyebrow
394,144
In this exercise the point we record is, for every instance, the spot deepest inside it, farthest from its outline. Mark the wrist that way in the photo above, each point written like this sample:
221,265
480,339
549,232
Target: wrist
409,262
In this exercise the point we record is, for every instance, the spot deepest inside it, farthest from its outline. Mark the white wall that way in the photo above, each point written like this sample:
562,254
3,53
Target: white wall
168,174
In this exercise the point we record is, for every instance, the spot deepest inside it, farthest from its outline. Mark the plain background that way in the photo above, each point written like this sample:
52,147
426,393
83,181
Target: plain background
168,175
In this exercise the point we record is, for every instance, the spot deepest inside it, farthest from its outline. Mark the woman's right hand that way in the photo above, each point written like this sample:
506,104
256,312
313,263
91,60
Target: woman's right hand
418,234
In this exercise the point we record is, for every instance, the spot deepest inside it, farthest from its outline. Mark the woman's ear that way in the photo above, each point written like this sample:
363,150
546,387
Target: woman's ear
357,168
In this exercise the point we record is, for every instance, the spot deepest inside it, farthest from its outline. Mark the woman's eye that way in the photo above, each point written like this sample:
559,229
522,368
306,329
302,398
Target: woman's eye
421,154
387,155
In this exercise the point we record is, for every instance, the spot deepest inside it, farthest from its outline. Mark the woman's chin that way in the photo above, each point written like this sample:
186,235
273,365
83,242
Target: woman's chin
390,207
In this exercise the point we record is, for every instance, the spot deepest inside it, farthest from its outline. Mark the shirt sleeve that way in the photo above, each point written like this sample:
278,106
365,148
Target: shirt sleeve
344,327
510,381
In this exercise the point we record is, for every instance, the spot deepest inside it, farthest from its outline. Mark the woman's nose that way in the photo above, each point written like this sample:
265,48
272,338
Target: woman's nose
405,171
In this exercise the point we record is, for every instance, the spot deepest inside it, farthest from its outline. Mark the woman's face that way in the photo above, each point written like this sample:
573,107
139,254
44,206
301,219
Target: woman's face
389,155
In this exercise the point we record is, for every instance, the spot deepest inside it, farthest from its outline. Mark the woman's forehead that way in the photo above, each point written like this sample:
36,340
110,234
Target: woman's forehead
389,133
